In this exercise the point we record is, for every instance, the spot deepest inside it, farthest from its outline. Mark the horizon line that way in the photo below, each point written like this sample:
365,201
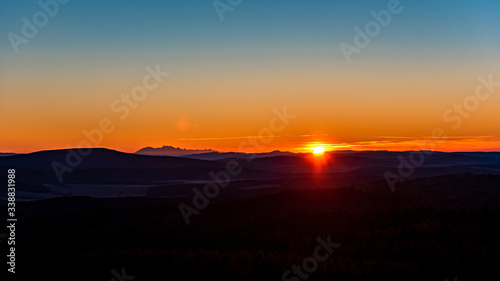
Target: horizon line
262,152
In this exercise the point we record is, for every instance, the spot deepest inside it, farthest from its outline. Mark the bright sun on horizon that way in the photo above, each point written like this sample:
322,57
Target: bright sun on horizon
318,150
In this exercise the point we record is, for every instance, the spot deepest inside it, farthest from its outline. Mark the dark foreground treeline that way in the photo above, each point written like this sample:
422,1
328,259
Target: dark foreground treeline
406,235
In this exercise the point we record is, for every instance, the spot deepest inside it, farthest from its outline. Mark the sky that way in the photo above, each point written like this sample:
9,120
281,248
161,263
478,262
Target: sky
80,78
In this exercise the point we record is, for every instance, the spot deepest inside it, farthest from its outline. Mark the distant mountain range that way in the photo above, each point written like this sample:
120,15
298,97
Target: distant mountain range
170,151
110,173
204,154
226,155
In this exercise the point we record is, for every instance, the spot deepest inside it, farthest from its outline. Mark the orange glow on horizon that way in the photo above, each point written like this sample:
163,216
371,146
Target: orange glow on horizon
295,145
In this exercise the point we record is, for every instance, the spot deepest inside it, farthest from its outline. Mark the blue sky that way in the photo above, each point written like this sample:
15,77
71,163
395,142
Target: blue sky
263,55
154,25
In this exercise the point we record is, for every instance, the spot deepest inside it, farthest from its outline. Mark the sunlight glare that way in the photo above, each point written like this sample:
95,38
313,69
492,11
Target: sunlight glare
318,150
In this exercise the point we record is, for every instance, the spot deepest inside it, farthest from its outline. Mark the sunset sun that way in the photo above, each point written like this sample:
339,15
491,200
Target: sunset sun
318,150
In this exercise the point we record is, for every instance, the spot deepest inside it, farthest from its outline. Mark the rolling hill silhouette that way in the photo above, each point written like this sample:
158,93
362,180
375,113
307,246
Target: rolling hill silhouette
96,173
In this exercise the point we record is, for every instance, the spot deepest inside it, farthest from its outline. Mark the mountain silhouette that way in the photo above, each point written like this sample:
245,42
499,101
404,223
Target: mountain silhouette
170,151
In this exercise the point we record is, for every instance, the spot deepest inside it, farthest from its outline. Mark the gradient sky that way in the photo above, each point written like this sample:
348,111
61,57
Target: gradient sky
226,77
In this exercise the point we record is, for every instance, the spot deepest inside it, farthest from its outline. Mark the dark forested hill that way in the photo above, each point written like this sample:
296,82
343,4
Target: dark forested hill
429,229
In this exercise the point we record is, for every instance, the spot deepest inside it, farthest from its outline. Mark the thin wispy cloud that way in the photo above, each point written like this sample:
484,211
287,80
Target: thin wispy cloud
246,137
